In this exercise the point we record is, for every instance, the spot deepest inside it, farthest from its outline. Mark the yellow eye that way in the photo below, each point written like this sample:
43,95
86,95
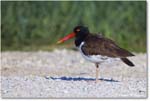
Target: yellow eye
78,30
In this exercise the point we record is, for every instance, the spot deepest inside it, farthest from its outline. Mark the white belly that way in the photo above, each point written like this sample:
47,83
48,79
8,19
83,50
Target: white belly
96,58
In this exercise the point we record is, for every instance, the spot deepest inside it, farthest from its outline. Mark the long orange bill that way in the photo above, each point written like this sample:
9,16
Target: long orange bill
69,36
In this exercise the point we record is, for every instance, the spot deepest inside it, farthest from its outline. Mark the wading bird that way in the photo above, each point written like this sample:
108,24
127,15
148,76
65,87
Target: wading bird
96,48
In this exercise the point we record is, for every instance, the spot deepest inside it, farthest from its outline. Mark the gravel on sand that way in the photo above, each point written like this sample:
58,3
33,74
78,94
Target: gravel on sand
65,74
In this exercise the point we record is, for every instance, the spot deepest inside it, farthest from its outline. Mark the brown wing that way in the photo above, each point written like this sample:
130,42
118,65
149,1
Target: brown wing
98,45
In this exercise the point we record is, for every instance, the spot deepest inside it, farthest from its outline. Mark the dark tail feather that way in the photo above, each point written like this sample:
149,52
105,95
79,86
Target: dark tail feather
127,61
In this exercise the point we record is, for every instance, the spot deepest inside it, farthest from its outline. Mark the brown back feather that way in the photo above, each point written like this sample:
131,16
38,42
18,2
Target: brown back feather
98,45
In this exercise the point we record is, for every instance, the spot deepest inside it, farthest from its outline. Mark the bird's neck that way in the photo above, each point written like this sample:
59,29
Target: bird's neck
79,40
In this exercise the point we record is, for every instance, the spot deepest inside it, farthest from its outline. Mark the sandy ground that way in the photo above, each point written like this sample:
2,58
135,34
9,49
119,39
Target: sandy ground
65,74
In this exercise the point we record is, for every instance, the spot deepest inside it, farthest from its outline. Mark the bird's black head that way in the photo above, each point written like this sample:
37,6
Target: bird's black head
81,31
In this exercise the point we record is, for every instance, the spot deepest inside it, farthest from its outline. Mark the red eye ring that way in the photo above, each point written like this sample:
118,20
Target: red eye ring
78,30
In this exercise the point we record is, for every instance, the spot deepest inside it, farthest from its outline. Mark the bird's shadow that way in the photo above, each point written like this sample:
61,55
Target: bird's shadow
79,79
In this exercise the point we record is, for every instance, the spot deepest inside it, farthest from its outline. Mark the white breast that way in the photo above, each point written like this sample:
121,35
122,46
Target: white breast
96,58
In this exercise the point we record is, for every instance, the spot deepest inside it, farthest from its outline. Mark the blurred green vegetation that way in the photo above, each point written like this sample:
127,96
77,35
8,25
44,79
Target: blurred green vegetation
30,25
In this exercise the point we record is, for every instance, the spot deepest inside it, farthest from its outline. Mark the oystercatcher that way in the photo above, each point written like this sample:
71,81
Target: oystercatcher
97,48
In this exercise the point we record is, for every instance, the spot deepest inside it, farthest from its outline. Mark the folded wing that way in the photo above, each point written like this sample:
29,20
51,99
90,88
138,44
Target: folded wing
98,45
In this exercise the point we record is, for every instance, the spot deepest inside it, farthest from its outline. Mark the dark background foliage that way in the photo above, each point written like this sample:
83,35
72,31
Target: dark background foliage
34,25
